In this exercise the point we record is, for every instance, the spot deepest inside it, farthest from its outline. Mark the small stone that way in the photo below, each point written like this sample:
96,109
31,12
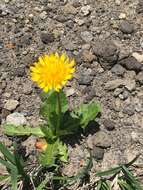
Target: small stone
88,56
131,154
27,88
129,109
122,16
118,70
124,95
102,139
89,141
139,8
97,153
47,38
79,21
31,15
86,10
126,27
85,79
70,9
11,104
139,77
138,57
1,45
130,63
118,91
70,92
43,15
107,52
86,36
130,85
16,119
117,105
111,85
29,144
19,72
117,2
109,124
130,75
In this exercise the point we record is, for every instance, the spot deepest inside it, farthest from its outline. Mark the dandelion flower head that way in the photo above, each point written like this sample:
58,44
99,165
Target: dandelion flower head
51,72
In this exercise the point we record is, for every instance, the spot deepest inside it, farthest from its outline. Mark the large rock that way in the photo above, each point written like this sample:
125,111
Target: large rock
107,53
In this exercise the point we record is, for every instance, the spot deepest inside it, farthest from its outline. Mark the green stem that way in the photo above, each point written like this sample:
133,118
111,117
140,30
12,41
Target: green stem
59,114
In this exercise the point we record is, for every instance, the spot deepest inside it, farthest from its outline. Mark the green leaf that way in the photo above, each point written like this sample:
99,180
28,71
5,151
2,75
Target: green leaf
48,157
124,185
49,133
63,151
87,113
8,165
7,154
20,167
14,179
43,184
131,178
70,124
13,130
50,103
111,171
4,178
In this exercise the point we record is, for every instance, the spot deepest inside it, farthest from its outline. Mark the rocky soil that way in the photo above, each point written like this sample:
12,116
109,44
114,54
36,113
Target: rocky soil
106,39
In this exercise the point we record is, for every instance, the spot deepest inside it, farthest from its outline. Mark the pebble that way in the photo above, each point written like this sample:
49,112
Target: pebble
102,139
117,2
139,7
109,124
79,21
1,45
70,9
124,95
130,63
118,91
107,52
111,85
86,10
139,77
47,38
126,27
118,70
43,15
88,56
11,104
16,119
138,57
130,85
122,16
84,79
97,153
129,109
70,92
27,88
86,36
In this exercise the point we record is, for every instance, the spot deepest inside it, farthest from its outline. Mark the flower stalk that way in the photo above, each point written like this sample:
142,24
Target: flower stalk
59,114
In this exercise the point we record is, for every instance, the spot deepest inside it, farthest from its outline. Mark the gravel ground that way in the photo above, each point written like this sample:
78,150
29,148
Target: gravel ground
106,39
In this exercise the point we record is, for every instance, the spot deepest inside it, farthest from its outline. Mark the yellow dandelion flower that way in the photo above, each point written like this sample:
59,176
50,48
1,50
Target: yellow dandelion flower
52,72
